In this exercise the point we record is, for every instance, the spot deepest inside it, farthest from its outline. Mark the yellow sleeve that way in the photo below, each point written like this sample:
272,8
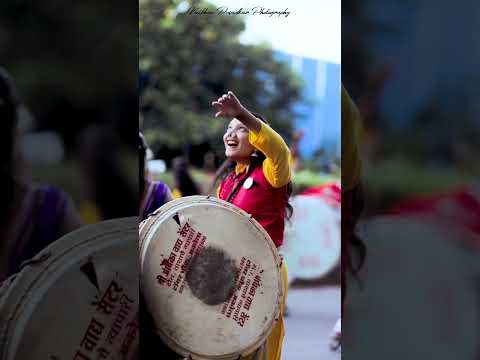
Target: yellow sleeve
351,123
276,167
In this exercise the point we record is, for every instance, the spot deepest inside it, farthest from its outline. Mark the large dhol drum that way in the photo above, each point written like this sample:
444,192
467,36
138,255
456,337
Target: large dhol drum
211,278
77,299
312,244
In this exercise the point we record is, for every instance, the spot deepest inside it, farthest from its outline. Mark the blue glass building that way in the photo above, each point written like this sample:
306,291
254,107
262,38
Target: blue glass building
319,111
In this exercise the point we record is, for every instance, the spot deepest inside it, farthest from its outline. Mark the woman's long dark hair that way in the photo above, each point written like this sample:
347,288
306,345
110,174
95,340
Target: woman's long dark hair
257,159
357,202
142,154
9,103
183,179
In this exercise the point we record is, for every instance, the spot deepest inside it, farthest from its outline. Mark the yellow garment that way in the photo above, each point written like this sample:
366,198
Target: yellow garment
351,124
177,194
89,212
272,349
276,166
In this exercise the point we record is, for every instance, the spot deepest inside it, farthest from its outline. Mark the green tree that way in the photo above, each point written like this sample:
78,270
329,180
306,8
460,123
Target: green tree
189,60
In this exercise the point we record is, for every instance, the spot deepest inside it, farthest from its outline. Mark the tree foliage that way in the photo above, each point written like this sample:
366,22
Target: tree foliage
187,61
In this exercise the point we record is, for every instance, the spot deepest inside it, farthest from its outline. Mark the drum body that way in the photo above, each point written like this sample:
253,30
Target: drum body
210,276
331,193
312,244
77,299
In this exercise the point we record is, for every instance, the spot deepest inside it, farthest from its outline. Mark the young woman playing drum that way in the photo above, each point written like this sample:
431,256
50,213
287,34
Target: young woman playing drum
257,179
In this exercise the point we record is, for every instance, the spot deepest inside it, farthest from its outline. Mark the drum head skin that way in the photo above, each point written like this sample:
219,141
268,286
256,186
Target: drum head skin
77,299
415,299
210,276
312,239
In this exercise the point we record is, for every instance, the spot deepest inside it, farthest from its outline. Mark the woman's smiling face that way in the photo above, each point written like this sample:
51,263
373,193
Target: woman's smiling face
237,145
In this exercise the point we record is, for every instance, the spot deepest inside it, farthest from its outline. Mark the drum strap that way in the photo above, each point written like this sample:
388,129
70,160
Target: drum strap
237,188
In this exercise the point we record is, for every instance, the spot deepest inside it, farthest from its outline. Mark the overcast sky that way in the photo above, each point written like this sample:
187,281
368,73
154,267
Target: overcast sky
312,29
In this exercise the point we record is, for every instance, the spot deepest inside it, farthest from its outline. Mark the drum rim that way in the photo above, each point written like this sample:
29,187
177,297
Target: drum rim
16,295
147,223
165,210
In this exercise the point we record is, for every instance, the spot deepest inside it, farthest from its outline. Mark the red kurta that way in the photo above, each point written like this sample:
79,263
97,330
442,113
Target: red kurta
264,202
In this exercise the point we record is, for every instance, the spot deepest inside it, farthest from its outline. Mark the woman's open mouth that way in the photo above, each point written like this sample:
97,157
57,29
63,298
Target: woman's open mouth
232,144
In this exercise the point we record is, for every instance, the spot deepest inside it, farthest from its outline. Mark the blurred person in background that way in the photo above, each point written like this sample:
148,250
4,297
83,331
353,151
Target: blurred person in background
32,215
153,193
257,179
110,190
185,185
295,151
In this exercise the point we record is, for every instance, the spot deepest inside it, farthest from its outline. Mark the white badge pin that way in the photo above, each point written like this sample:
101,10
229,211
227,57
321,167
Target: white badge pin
248,183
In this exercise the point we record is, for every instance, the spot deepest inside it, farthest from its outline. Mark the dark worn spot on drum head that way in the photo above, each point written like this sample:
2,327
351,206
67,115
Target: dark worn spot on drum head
211,276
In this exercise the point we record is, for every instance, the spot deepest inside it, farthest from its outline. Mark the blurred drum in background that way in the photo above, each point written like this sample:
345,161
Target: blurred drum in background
210,276
77,299
413,296
459,208
312,238
331,193
458,212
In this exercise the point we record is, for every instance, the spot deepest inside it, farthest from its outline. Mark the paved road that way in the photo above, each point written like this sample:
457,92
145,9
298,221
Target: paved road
312,315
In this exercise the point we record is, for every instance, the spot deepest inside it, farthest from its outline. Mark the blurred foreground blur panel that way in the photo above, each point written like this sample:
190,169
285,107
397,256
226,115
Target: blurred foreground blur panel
69,123
413,73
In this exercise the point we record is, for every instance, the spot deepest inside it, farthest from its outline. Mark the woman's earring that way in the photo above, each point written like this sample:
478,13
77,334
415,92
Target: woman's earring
255,154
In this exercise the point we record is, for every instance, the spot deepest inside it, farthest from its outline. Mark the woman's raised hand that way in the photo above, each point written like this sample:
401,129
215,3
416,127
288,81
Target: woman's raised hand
228,106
